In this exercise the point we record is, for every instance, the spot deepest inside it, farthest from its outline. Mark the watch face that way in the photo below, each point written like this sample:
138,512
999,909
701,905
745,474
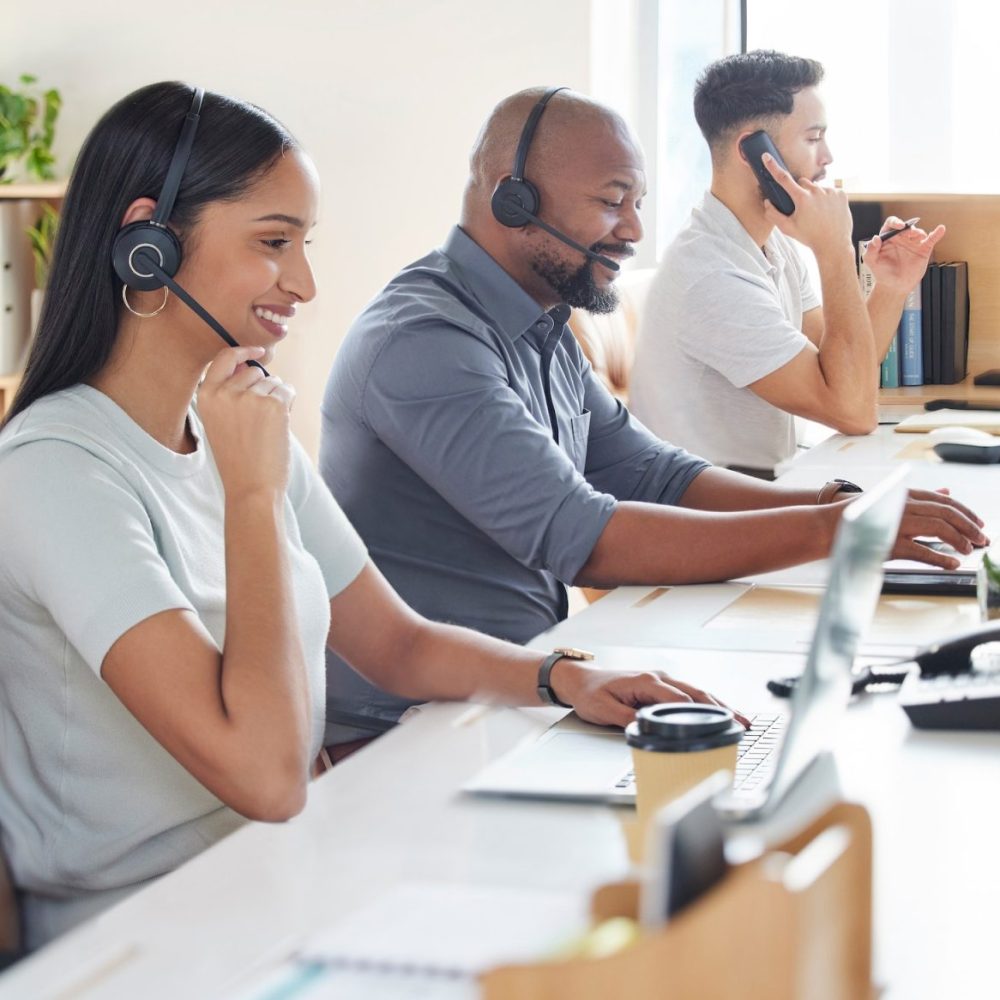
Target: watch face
573,654
846,486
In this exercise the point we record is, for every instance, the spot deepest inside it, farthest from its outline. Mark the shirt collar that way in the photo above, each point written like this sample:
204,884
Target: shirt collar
507,303
731,227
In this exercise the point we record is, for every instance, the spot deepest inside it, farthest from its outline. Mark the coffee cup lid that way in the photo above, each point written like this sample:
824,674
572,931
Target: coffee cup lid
683,726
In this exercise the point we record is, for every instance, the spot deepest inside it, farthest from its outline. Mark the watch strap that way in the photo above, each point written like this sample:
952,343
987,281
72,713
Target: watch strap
828,491
545,692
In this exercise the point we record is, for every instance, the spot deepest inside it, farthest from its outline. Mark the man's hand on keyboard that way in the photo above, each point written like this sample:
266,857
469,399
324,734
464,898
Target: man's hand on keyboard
936,515
610,698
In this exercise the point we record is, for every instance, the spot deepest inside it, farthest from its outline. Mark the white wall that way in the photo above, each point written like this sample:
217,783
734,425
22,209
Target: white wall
386,95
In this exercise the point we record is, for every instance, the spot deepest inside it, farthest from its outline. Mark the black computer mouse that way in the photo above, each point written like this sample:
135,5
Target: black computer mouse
953,655
979,454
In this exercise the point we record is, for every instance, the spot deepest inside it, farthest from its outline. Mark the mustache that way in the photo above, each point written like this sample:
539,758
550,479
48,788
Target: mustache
623,249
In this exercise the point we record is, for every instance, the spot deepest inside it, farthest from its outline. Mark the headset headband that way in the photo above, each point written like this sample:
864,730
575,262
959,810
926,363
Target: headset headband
165,203
528,132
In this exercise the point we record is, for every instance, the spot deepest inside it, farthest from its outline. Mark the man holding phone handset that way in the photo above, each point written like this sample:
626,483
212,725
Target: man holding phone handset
735,340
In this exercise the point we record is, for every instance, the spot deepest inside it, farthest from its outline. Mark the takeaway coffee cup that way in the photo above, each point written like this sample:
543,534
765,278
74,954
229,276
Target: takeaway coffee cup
675,747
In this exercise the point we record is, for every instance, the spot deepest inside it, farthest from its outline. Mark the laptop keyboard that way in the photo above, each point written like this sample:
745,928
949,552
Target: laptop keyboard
754,758
756,752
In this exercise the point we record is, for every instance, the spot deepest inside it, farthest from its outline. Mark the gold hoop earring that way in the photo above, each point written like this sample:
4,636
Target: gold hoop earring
141,315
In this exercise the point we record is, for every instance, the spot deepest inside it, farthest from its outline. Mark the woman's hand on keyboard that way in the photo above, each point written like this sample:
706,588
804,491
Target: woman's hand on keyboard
610,698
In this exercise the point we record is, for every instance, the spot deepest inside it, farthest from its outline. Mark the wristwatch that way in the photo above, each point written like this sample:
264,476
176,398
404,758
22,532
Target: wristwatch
545,692
829,490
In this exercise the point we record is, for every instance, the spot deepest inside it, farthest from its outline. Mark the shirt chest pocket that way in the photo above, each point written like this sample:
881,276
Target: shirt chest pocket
575,440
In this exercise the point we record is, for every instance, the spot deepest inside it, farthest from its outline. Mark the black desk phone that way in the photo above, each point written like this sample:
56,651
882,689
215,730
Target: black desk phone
955,689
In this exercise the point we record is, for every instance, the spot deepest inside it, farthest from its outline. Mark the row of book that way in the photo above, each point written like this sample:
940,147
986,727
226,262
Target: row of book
931,346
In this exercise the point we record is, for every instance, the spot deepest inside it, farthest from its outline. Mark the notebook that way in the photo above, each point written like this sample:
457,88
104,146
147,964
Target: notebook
924,423
572,761
424,940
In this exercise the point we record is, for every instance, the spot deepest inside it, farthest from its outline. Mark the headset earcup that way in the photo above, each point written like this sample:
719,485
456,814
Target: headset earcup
165,247
512,199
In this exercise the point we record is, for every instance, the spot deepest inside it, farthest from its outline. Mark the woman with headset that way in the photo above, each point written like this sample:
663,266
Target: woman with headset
171,566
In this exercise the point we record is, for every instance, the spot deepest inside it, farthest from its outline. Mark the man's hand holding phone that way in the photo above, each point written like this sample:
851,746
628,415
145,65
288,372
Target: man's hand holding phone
822,216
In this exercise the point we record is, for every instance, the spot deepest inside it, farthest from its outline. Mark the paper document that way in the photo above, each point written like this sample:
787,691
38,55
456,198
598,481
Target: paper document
427,941
455,929
296,979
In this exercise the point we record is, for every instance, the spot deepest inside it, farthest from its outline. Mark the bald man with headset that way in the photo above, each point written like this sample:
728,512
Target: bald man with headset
485,465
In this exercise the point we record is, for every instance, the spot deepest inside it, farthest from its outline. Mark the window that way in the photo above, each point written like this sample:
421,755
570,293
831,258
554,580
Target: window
645,58
909,90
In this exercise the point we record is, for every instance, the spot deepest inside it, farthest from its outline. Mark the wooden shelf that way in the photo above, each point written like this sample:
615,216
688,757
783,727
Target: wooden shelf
50,191
972,221
8,388
37,189
920,394
944,197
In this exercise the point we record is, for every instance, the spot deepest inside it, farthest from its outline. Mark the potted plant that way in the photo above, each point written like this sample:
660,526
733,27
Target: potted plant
42,236
27,128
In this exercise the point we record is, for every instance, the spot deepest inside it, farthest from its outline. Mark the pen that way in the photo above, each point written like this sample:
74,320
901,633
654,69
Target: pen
958,404
909,224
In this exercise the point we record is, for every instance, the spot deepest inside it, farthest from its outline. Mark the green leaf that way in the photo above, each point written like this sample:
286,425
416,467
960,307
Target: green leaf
53,104
992,570
42,236
27,129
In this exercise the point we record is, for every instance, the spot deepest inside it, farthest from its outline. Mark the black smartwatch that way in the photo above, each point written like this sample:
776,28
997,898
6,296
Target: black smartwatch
545,692
829,490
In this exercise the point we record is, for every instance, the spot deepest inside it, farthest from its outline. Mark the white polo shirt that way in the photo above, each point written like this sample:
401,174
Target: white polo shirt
722,313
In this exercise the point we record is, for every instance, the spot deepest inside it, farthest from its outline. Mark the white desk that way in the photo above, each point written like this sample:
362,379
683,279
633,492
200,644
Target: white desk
873,453
393,814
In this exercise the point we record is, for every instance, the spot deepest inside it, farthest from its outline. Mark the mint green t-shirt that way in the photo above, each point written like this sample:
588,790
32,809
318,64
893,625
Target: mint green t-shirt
100,528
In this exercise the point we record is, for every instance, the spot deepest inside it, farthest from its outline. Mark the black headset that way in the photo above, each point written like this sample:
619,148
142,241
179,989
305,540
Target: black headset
147,254
154,235
516,201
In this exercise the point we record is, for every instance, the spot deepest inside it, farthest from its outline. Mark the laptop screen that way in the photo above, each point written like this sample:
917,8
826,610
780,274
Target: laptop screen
864,539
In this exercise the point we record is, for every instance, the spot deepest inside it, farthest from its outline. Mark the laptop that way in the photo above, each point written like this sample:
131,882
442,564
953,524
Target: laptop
574,760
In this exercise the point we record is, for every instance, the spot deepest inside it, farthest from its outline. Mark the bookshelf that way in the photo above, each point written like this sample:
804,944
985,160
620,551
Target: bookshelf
40,191
8,386
973,223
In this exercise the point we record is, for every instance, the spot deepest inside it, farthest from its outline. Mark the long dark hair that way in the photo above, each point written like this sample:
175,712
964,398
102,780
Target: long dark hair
125,157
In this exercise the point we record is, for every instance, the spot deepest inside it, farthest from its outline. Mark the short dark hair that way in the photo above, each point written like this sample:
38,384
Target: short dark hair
752,85
126,157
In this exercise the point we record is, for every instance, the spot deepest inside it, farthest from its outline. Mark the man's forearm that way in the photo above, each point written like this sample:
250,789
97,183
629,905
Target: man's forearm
650,544
722,490
885,307
847,353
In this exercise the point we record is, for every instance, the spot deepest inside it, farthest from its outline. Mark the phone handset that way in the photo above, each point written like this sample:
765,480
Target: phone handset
953,655
753,147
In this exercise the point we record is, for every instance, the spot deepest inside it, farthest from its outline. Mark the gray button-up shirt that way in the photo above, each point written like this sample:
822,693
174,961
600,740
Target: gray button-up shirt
438,442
